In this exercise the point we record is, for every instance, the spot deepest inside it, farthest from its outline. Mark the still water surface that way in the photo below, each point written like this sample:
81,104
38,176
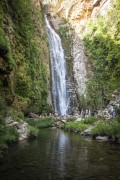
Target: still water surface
58,155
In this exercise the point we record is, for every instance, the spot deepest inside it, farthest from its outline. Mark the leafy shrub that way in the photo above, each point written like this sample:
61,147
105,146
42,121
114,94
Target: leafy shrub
116,119
47,109
33,131
8,135
75,126
71,119
90,120
117,109
114,129
101,40
45,123
42,122
101,128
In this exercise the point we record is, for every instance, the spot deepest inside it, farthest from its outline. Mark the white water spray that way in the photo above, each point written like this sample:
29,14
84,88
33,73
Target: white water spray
58,72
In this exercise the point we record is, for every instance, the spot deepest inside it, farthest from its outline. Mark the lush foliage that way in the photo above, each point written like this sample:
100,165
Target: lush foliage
42,122
99,126
115,129
75,126
90,120
103,128
117,109
102,42
71,119
24,57
32,131
8,135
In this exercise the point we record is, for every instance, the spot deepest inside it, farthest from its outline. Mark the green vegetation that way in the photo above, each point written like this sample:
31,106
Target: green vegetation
102,42
115,129
98,126
24,58
117,109
7,135
79,126
42,122
71,119
116,119
90,120
32,131
64,31
75,126
82,102
103,128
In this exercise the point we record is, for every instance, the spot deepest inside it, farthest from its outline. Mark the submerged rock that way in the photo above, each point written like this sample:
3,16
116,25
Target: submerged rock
87,132
102,138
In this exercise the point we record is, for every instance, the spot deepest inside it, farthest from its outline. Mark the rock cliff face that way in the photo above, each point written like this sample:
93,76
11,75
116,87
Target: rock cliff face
78,13
24,58
79,65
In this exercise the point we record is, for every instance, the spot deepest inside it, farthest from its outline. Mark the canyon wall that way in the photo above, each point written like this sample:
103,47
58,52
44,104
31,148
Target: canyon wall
24,59
78,13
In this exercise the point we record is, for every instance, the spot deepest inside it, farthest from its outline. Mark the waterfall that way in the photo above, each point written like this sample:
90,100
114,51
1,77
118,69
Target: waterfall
58,72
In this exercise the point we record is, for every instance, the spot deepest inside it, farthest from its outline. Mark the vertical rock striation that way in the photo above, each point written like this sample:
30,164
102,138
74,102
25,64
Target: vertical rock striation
79,67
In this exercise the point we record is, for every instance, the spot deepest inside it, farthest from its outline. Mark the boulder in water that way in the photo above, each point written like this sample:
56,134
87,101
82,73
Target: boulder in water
87,132
102,138
23,131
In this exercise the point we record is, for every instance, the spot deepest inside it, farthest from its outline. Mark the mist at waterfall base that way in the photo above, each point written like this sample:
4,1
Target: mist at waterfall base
58,72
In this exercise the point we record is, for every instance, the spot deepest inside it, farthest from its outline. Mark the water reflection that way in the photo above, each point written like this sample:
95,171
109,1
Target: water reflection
57,155
62,149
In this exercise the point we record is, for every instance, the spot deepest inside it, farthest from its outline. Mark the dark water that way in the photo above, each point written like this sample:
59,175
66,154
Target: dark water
58,155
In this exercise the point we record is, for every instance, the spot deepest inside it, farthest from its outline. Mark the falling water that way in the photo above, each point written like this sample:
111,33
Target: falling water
58,72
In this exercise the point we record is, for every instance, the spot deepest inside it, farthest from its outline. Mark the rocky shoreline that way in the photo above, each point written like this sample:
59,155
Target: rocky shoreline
77,124
22,127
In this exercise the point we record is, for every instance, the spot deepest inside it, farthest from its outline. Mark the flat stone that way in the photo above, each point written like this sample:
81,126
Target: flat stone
102,138
63,121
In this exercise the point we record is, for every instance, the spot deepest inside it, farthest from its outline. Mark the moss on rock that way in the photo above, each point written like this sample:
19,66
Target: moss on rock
24,57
